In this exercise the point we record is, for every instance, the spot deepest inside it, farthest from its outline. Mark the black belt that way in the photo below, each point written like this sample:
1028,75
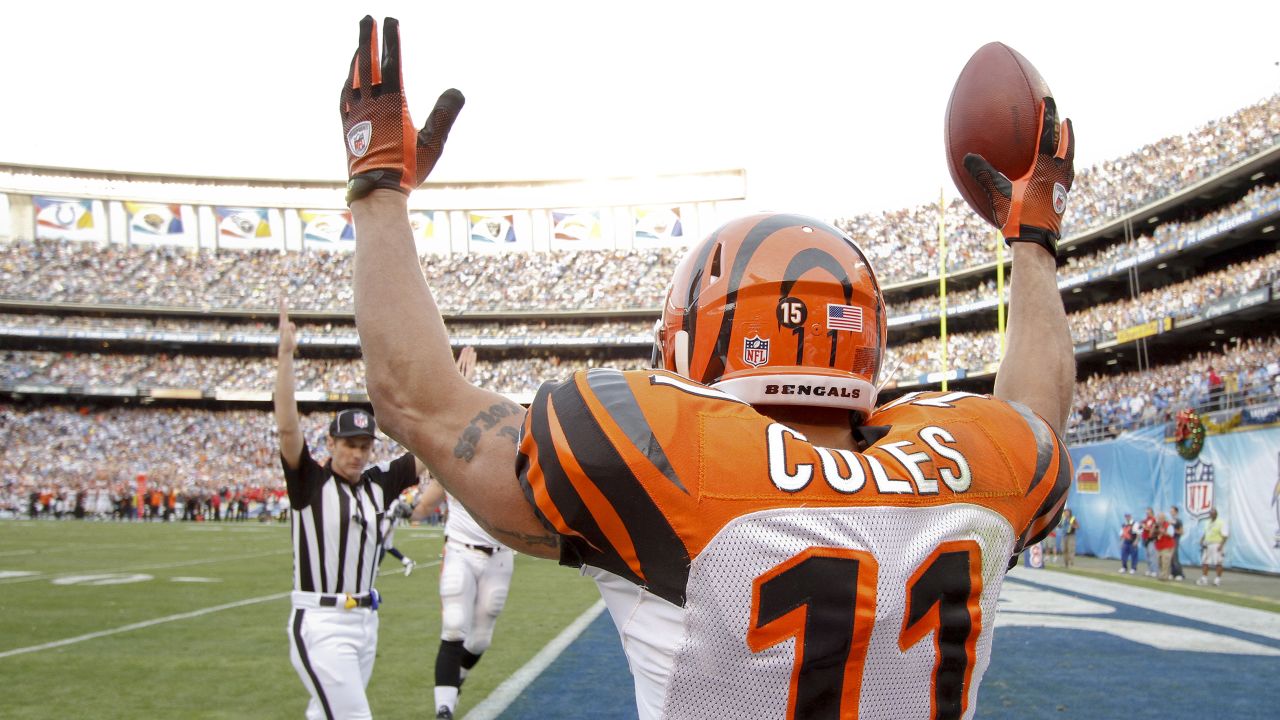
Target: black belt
364,601
486,549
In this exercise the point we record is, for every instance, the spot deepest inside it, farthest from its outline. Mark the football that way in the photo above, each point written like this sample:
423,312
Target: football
993,112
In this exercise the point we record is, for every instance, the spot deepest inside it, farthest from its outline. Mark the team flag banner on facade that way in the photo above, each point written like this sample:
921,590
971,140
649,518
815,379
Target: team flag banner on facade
426,230
65,219
327,229
658,225
577,229
492,231
156,223
243,228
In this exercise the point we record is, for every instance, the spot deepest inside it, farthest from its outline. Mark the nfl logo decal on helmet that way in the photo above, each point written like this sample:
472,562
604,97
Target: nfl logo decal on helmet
750,285
755,351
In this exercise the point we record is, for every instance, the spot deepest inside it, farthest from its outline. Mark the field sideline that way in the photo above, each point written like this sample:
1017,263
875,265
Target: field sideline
128,620
187,620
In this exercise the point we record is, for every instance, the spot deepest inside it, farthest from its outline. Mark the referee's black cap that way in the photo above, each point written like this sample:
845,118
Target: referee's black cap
352,422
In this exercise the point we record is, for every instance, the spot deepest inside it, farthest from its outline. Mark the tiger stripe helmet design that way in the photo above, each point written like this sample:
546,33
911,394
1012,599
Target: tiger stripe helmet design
776,309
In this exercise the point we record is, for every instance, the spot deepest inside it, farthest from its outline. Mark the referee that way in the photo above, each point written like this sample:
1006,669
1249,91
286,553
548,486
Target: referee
335,515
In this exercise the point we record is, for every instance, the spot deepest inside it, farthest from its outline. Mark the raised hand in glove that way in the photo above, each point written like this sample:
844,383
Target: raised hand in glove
1029,208
383,148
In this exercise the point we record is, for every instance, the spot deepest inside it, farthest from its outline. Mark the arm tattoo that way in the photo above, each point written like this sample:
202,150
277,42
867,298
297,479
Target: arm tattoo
517,539
485,421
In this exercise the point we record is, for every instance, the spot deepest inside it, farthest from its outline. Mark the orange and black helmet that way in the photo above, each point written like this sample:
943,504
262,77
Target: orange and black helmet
776,309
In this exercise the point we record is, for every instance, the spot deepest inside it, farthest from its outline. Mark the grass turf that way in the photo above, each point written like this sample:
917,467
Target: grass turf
232,662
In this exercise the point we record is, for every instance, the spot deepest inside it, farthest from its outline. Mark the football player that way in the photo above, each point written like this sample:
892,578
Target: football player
475,575
401,509
811,554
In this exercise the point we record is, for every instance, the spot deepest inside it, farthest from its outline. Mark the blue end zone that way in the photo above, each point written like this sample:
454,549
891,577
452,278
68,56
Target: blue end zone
1036,671
590,679
1053,672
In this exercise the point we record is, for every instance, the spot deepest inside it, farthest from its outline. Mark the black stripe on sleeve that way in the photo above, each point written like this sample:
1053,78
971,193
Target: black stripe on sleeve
595,550
664,561
1061,485
523,462
306,662
610,387
1044,443
399,474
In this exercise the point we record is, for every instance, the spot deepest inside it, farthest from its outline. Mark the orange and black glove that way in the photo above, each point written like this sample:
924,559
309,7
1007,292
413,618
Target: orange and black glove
1029,208
383,148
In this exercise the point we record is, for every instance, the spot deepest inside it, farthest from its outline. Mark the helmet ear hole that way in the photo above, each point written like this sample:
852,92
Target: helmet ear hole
682,354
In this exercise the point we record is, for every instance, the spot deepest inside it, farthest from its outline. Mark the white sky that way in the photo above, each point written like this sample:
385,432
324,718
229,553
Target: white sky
832,108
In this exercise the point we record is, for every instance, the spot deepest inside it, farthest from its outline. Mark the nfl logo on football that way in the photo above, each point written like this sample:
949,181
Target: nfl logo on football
755,351
1199,493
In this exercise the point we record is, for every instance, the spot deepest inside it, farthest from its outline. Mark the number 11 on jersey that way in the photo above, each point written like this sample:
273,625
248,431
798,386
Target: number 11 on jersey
825,598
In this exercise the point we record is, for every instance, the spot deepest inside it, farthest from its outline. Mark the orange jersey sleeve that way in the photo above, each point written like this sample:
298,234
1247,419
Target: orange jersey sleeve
637,471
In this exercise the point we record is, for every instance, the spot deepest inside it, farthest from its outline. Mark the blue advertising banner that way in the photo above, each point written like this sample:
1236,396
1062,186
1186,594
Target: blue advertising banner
1238,473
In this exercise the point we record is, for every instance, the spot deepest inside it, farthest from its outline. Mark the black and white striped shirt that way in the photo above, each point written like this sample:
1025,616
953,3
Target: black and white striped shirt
336,526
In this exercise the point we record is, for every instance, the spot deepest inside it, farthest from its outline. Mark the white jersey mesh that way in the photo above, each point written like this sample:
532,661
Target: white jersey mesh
460,526
715,674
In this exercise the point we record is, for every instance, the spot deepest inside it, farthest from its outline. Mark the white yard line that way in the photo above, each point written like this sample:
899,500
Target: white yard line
157,566
506,693
1204,610
170,618
140,625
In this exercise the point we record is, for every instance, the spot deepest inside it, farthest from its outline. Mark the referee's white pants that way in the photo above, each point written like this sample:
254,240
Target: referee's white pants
333,650
473,591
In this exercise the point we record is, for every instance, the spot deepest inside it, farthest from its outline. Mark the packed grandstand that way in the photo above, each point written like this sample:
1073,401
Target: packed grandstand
126,359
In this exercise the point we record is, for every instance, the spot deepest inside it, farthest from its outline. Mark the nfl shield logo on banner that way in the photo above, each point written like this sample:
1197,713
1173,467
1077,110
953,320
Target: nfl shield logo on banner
1199,493
755,351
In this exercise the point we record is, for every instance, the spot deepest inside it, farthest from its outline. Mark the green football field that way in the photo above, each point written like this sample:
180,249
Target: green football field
129,620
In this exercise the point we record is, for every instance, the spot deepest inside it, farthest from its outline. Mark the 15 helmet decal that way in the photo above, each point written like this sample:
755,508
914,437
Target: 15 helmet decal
771,278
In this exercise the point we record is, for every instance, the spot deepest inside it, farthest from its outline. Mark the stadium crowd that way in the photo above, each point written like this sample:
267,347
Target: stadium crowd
130,463
74,456
900,243
1108,404
973,351
72,462
1096,322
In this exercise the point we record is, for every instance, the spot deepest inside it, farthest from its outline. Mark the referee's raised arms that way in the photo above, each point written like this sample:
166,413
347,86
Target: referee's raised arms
286,406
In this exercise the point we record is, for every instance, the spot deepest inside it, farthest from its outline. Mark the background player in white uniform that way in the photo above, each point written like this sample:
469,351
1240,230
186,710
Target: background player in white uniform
475,575
336,527
401,509
830,559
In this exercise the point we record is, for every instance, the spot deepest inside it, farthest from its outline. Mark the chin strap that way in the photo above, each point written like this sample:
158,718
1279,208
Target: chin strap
866,435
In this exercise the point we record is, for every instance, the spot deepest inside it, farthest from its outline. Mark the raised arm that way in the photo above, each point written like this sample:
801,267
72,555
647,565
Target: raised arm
1038,369
466,436
288,427
428,500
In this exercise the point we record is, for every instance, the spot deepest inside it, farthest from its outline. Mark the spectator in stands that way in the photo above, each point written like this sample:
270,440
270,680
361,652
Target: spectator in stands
1214,381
